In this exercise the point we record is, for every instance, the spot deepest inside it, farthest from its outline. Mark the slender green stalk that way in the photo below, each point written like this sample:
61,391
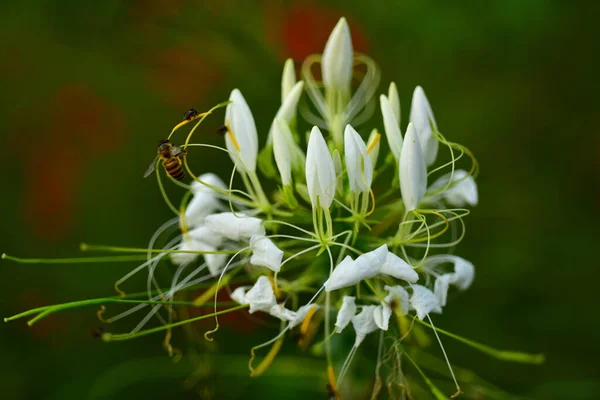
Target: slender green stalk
74,260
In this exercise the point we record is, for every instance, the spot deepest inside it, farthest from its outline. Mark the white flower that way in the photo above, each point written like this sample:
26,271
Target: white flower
347,311
398,268
205,200
413,173
392,127
265,253
422,118
187,244
423,301
244,143
459,194
235,226
383,312
462,277
364,323
261,296
394,101
279,311
320,171
358,162
204,234
338,57
288,79
373,145
350,272
287,111
239,295
301,314
214,262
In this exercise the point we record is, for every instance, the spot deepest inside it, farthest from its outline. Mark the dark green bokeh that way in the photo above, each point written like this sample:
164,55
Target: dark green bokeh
89,87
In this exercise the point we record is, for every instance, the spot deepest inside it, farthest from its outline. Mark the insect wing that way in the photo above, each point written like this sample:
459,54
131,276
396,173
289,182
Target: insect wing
151,167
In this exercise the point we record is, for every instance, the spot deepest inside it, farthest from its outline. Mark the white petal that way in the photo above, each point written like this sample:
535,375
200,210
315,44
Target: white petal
187,244
279,311
242,125
215,262
344,316
364,323
440,288
235,226
413,173
381,316
239,295
394,100
265,253
261,296
301,314
461,193
358,161
464,271
205,200
421,116
209,179
398,268
287,111
206,235
392,128
349,272
374,148
320,171
281,151
338,57
400,296
423,301
288,78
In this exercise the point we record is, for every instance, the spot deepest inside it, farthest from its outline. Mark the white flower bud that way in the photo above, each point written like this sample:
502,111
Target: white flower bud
392,127
413,173
422,118
344,316
320,171
245,142
373,145
394,100
288,79
265,253
358,161
235,226
338,57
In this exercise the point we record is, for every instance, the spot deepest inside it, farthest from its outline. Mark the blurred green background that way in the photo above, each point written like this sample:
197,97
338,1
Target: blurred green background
89,87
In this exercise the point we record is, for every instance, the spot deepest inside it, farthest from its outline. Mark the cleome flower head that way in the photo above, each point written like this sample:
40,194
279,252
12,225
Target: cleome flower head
325,228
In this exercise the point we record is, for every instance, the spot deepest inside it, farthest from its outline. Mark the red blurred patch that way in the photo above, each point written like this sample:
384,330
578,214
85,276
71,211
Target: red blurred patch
183,75
303,29
80,125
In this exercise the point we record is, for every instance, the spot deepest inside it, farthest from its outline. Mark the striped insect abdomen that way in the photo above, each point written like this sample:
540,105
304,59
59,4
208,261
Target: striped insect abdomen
173,167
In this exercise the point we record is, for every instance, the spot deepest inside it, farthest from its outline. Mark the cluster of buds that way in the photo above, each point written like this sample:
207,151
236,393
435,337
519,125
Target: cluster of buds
350,234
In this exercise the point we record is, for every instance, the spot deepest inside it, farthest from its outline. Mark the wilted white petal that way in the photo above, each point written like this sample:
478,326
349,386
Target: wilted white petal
288,78
464,271
381,316
205,200
239,295
394,100
461,193
392,127
338,57
413,173
279,311
399,295
235,226
364,323
203,234
215,262
373,145
243,128
347,311
265,253
421,116
358,161
398,268
350,272
187,244
261,296
320,171
423,301
440,288
301,314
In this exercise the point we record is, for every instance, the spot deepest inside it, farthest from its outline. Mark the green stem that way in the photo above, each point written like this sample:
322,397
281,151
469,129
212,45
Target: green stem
73,260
